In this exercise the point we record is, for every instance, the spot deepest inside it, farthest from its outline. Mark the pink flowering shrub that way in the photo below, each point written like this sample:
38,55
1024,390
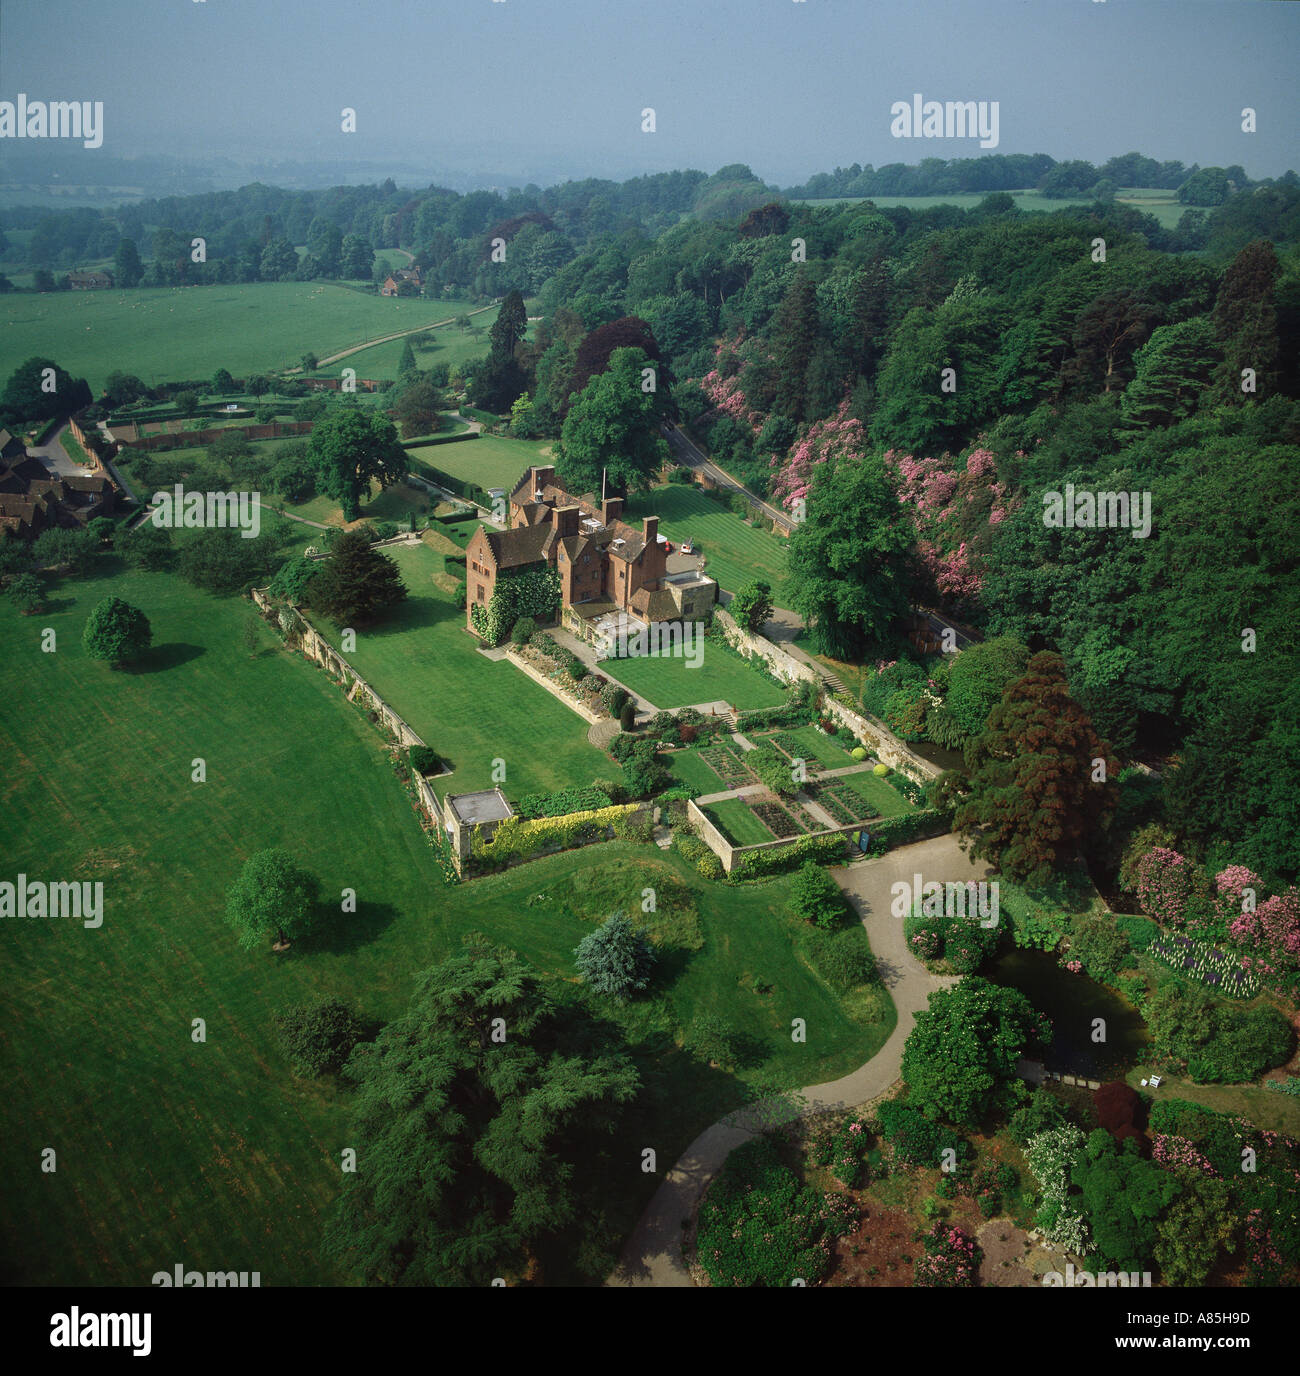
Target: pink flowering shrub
1273,928
953,506
951,1259
832,438
1166,884
1173,1151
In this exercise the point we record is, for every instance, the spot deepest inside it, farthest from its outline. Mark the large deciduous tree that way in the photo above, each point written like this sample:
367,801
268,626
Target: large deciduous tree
352,447
849,558
614,426
272,899
962,1053
116,631
481,1117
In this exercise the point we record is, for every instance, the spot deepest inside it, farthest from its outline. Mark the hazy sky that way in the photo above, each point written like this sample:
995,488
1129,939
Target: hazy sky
789,86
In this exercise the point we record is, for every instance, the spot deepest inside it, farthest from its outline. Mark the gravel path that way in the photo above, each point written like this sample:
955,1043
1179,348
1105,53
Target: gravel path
652,1255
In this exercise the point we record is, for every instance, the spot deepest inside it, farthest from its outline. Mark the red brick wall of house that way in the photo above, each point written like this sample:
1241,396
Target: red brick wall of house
480,574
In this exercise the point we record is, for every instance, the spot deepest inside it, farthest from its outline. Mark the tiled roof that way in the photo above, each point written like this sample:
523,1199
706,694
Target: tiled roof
522,545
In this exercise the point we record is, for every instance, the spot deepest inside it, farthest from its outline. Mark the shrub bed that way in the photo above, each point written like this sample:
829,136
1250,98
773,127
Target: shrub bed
825,849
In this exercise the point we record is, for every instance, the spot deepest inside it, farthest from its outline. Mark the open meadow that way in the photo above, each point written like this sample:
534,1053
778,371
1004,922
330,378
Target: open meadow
211,1152
171,333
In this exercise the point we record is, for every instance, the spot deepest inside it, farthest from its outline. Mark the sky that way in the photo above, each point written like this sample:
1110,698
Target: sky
532,88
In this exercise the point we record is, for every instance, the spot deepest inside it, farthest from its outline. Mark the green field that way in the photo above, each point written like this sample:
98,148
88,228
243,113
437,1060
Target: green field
490,460
1163,205
170,333
213,1153
736,553
671,682
470,709
451,345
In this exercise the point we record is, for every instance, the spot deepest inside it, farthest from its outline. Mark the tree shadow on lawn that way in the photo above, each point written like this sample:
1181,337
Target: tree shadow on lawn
164,657
416,613
340,933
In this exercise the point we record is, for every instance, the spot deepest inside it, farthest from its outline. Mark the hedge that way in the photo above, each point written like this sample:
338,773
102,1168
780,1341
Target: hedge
888,832
787,715
562,801
473,413
459,486
520,838
777,859
423,441
693,849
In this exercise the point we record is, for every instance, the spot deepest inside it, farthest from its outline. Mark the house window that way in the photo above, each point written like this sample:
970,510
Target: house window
480,592
621,575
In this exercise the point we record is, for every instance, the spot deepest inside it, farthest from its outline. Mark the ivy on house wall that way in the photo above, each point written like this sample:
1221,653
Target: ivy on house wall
531,592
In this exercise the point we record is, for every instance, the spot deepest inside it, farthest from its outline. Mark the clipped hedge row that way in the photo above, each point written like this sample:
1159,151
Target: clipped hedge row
888,832
789,714
424,441
823,850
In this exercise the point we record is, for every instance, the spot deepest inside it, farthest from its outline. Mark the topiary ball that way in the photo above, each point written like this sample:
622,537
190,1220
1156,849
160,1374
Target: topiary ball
880,771
858,753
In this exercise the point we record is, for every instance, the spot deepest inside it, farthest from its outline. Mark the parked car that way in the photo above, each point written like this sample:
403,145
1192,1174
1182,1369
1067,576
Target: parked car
688,546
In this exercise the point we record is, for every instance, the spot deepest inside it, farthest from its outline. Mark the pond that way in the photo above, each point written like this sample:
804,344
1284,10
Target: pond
1072,1002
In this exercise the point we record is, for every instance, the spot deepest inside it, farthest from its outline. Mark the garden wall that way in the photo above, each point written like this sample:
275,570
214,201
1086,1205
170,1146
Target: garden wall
188,439
316,648
889,749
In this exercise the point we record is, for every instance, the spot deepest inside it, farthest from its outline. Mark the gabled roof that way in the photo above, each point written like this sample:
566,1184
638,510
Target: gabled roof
522,545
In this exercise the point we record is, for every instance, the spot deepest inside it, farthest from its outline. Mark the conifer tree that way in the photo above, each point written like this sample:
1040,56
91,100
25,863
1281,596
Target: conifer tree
357,583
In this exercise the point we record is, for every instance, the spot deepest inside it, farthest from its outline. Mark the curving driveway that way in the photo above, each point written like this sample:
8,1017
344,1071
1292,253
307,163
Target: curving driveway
652,1255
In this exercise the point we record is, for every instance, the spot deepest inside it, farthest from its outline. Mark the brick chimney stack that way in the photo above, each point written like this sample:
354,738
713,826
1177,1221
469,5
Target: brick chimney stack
651,530
610,510
566,519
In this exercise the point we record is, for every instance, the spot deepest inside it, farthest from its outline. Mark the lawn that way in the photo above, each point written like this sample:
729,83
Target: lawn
491,460
720,676
162,333
212,1153
736,553
471,709
690,771
733,817
814,747
882,797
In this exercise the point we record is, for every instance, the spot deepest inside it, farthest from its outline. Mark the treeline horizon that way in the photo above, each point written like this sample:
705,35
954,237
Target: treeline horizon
385,215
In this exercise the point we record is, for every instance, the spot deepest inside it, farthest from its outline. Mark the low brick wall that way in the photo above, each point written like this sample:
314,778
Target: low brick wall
188,439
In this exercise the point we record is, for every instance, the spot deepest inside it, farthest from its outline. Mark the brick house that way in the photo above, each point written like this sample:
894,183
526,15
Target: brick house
32,499
611,574
403,276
